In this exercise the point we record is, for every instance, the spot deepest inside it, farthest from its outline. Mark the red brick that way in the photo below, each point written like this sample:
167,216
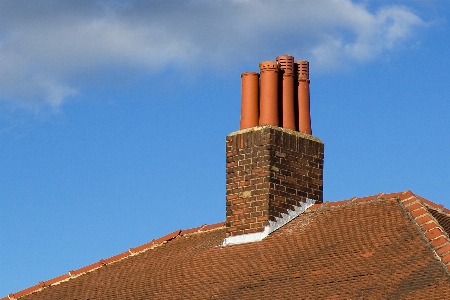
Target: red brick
231,197
238,212
266,149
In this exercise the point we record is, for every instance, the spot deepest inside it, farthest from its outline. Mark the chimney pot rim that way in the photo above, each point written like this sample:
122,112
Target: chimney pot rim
249,73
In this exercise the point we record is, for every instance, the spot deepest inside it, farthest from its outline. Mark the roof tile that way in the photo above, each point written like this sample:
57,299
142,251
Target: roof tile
414,206
405,195
143,247
443,250
57,279
439,242
433,233
391,195
213,226
428,226
446,258
418,212
116,257
26,291
365,199
167,237
191,230
86,269
365,243
338,203
409,201
423,219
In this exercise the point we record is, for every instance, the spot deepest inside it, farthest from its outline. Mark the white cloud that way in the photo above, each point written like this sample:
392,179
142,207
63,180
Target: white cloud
44,47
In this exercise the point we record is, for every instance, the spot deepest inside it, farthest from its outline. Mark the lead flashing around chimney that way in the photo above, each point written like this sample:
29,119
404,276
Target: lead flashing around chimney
273,226
262,127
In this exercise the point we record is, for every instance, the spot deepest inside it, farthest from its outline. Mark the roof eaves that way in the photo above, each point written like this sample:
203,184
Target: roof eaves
113,259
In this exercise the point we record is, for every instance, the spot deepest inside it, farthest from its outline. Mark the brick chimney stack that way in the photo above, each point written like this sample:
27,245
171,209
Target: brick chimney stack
273,173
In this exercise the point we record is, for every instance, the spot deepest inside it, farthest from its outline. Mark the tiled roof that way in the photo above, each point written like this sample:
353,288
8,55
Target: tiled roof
387,246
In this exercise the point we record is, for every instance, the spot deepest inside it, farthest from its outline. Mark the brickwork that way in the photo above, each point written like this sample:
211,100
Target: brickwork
270,170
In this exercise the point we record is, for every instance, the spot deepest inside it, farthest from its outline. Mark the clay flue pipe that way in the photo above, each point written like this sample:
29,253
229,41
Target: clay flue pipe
268,99
304,118
286,65
250,103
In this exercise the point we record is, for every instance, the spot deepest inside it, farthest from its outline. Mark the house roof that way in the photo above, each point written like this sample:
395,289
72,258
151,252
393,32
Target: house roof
387,246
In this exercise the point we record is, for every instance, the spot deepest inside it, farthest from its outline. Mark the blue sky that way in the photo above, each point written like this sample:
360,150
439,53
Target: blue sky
113,114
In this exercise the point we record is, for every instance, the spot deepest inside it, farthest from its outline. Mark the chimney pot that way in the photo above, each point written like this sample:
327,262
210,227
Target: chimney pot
250,100
268,93
286,64
304,117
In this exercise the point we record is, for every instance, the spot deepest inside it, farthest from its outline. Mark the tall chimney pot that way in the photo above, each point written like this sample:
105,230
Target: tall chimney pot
304,117
286,64
250,100
268,93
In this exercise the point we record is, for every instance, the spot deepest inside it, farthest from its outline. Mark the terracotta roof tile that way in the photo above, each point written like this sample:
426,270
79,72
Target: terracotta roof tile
116,257
213,226
432,222
338,203
363,248
365,199
191,230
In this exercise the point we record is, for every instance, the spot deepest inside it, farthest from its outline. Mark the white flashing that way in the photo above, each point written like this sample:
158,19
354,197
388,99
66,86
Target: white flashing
273,225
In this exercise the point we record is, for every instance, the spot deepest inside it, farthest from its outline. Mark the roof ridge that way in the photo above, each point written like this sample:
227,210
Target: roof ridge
435,235
113,259
356,200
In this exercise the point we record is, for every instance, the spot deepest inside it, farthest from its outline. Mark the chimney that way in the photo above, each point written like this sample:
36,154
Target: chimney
273,173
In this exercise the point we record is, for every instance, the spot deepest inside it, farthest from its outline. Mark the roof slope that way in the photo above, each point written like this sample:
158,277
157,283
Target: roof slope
382,247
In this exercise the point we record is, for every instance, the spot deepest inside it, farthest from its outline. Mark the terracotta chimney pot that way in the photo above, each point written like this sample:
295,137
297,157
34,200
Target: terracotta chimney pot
286,64
250,97
268,93
304,117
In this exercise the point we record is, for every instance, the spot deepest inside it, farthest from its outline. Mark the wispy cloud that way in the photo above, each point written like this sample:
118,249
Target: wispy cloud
44,47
